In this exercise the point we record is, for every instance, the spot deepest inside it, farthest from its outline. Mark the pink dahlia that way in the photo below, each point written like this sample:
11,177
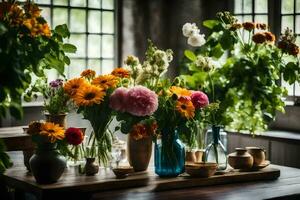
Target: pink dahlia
199,99
118,99
141,101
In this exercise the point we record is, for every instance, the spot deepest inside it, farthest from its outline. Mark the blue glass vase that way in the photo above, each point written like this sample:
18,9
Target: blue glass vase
169,154
215,151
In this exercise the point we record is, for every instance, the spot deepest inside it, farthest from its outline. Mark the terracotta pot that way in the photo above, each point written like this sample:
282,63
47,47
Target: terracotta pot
199,155
57,119
240,159
139,152
258,154
190,157
90,167
203,170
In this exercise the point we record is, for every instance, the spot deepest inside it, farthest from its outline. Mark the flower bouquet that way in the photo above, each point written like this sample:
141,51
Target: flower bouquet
248,64
91,96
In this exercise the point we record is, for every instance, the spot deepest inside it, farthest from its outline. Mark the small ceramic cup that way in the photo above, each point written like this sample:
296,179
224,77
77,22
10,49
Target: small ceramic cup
258,154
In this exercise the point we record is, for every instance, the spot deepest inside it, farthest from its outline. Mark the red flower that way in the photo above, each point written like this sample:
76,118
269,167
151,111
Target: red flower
74,136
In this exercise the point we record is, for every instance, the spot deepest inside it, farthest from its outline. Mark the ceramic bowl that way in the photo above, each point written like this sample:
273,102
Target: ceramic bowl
122,172
201,169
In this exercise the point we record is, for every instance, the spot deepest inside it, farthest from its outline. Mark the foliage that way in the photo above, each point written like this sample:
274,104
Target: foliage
246,73
27,47
4,159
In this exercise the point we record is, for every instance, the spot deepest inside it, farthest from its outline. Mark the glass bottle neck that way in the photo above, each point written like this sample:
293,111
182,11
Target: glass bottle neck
216,133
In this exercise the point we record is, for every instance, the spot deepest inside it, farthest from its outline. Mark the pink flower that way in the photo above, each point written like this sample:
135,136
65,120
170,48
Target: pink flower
118,99
141,101
199,99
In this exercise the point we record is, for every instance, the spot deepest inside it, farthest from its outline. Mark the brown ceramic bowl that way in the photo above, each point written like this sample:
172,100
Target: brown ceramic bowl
203,170
122,172
258,154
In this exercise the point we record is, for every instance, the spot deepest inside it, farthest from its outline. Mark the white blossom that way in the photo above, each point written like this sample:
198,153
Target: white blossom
196,40
189,29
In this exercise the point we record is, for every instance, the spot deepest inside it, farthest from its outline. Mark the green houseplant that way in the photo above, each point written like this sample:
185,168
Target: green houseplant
248,68
27,47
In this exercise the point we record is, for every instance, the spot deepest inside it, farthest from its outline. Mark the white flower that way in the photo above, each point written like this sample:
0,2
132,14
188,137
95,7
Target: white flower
196,40
189,29
200,61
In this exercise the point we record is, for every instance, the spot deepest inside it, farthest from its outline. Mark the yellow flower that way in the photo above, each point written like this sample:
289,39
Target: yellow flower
89,95
32,9
88,73
52,131
73,85
121,73
185,107
106,81
180,92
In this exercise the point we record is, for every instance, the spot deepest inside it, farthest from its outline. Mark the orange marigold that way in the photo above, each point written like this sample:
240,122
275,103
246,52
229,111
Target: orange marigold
88,73
259,38
179,91
89,95
106,81
71,86
32,9
121,73
52,131
249,26
185,107
270,36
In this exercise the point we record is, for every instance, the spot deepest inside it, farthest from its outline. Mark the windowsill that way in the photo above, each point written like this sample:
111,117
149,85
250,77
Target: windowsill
276,134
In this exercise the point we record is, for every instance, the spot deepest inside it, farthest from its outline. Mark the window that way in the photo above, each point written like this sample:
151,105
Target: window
285,13
92,27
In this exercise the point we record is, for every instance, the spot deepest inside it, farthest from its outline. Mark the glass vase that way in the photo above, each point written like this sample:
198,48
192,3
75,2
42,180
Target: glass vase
215,151
169,154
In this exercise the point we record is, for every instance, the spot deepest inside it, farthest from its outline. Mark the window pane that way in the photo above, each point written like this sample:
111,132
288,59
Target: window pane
239,18
51,74
108,4
298,24
94,46
238,6
248,18
261,18
107,66
60,16
77,20
298,6
79,41
80,3
107,46
108,22
298,40
94,64
60,2
247,6
287,6
42,1
46,13
94,4
94,21
261,6
76,67
287,21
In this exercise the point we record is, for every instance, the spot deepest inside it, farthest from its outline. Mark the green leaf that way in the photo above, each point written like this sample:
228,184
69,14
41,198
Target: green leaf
3,29
69,48
67,60
16,110
190,55
217,51
62,30
210,23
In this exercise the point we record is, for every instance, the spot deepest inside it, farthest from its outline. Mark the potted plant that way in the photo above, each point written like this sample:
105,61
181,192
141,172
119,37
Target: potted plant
28,46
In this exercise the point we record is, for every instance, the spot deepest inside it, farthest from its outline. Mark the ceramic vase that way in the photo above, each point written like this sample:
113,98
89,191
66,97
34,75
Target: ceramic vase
59,119
91,168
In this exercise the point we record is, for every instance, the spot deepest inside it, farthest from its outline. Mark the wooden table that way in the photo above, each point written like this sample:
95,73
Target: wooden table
83,187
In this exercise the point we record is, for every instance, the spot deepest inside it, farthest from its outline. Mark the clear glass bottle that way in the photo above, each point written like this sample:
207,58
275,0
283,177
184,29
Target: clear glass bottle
215,151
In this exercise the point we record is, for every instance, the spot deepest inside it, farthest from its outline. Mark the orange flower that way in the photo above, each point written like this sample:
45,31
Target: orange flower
106,81
32,9
89,95
52,131
73,85
249,26
261,26
293,49
88,73
236,26
15,15
270,36
180,92
121,73
259,38
139,131
185,107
